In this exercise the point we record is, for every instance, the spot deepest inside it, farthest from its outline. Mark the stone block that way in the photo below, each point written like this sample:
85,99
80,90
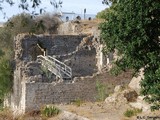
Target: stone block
135,82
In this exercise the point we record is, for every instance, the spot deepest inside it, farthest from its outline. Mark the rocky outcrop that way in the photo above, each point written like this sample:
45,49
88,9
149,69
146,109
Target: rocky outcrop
135,82
140,104
135,85
130,95
119,98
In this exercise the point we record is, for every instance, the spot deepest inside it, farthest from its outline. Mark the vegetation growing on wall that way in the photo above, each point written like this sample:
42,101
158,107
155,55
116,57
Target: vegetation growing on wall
133,28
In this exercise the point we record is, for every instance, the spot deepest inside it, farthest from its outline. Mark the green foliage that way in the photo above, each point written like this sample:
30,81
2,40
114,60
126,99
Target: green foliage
101,90
5,66
5,40
1,53
102,14
5,78
21,23
25,23
108,2
133,28
115,70
50,111
133,112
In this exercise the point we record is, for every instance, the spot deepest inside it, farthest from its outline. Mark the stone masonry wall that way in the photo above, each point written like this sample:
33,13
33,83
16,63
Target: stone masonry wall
82,60
30,89
39,94
26,47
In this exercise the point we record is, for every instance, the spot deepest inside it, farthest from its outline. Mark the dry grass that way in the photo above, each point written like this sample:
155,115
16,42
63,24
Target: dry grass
96,110
33,115
6,114
87,26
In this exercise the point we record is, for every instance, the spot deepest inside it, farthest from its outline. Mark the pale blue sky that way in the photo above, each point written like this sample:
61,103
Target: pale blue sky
77,6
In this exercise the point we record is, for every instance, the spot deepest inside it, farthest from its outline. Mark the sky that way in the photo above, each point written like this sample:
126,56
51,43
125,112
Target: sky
77,6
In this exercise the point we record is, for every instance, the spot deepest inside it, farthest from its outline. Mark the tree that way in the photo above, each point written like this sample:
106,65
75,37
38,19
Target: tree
5,39
20,23
25,23
132,27
5,78
102,14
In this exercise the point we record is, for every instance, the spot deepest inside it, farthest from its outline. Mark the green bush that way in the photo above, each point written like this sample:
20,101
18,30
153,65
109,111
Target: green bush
6,78
50,111
133,112
102,14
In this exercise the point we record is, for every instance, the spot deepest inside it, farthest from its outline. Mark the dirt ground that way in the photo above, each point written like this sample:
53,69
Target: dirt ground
103,111
92,111
97,111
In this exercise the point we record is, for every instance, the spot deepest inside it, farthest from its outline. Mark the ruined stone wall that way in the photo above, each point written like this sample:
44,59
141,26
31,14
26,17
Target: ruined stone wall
84,63
39,94
90,28
24,71
26,47
31,89
81,57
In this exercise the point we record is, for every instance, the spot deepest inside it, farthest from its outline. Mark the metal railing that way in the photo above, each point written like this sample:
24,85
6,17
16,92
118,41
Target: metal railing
55,66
